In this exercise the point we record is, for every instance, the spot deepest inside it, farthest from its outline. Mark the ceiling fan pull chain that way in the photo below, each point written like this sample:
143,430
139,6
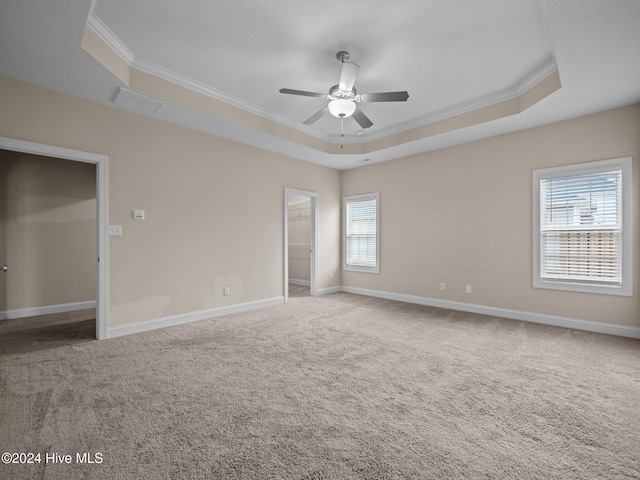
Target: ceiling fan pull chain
342,129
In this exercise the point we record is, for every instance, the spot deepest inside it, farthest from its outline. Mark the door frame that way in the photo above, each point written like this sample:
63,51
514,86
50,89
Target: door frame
288,192
102,215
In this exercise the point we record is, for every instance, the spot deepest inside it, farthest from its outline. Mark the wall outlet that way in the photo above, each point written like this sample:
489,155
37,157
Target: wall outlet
331,276
115,229
443,286
227,291
468,289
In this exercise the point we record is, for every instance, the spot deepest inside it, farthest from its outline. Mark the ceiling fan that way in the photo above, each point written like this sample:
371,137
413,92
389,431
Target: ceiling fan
343,98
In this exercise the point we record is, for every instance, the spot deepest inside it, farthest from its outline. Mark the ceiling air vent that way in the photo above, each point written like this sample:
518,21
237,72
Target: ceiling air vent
136,101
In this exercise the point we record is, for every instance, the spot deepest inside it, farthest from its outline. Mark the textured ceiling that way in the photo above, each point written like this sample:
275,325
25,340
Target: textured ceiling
452,56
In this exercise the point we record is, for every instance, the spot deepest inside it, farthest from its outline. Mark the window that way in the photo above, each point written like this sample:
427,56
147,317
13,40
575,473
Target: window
582,227
361,233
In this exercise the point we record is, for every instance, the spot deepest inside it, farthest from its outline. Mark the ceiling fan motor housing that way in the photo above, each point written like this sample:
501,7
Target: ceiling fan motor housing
336,93
342,56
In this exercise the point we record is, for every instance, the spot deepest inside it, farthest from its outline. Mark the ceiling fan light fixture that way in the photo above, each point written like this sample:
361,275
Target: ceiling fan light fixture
342,108
343,98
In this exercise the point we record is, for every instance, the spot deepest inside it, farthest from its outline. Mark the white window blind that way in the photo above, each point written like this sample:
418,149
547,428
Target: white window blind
361,232
581,226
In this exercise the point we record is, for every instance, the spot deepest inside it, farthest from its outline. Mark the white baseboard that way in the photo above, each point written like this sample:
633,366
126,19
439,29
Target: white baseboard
598,327
566,322
173,320
327,291
295,281
46,310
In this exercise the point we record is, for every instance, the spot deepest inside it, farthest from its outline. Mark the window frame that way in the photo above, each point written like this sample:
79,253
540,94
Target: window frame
626,252
359,198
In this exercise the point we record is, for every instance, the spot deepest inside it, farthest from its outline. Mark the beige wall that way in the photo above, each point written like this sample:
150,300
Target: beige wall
213,207
47,231
462,215
214,218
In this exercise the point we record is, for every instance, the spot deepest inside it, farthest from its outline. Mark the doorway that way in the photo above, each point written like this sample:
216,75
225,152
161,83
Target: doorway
100,223
300,243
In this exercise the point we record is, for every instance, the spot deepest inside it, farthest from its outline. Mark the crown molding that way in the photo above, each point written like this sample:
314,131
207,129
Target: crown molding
103,32
207,90
536,77
114,43
516,91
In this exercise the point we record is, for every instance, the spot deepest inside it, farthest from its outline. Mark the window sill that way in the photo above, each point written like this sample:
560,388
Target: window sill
584,288
361,269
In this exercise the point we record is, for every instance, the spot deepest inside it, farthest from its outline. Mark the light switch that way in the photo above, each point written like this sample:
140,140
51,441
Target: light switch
138,214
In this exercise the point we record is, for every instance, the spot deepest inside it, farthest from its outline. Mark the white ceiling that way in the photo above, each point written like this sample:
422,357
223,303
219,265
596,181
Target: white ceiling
451,56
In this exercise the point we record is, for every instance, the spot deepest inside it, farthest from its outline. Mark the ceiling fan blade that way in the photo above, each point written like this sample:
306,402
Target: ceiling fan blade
361,118
384,97
316,116
348,76
302,92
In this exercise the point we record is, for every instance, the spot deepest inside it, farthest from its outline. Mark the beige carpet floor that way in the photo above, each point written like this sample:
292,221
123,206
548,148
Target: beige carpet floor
336,387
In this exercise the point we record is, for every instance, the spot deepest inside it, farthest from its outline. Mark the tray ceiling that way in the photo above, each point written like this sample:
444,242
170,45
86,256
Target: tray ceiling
472,69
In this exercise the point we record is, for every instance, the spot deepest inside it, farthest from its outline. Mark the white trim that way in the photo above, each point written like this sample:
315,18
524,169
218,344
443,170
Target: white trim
330,290
46,310
110,39
625,164
556,321
313,276
552,320
535,78
104,33
183,81
516,91
49,150
303,283
102,314
359,198
119,48
102,214
174,320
